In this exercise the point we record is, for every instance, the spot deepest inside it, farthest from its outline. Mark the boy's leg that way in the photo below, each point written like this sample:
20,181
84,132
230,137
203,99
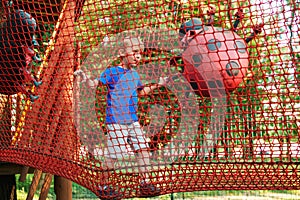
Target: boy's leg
108,166
140,145
116,146
143,159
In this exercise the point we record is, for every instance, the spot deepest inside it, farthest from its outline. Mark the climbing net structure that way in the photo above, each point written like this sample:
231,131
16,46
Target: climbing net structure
225,115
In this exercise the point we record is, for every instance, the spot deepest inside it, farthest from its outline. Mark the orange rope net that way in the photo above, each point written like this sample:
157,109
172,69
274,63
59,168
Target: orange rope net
144,98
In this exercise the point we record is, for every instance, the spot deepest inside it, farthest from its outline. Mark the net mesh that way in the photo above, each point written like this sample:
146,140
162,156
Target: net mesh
213,103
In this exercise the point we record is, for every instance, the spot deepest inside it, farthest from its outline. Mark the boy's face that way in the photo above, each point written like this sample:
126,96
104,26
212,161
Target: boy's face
132,52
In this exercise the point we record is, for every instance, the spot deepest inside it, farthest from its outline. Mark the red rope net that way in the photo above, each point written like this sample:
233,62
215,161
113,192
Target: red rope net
144,98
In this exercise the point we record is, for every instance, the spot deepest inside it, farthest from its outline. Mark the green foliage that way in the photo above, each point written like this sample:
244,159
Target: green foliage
23,188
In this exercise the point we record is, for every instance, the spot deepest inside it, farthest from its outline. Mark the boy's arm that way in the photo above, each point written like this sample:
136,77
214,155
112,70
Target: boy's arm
146,90
85,79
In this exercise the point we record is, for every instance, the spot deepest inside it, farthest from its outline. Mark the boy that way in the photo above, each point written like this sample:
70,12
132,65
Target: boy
124,85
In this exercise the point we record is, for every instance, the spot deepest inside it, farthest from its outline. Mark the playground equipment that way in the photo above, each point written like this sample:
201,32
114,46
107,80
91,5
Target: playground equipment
18,41
230,126
227,52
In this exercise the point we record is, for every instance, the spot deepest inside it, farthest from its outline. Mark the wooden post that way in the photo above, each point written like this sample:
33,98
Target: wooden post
34,184
23,173
8,187
46,186
62,188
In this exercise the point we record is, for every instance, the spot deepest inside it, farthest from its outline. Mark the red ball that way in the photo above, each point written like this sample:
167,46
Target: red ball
215,61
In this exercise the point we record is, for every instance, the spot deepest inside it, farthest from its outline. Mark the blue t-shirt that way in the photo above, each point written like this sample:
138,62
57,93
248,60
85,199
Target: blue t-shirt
122,97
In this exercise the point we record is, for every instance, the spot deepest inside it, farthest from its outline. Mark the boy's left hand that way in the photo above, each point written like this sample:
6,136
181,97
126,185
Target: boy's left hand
163,81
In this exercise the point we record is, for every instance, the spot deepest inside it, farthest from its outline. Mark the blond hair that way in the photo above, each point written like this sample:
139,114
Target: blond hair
130,41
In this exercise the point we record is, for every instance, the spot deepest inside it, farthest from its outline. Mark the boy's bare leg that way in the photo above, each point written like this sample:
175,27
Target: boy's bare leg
143,160
147,188
106,189
109,165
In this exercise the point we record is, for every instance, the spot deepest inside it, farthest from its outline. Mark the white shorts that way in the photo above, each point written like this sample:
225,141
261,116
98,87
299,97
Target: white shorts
119,137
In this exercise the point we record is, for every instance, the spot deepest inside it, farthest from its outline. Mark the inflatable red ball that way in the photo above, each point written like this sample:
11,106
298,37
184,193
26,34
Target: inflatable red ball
215,60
